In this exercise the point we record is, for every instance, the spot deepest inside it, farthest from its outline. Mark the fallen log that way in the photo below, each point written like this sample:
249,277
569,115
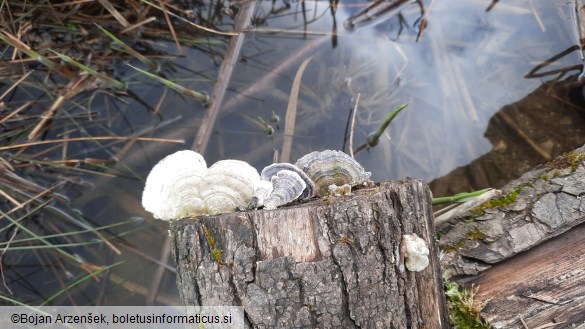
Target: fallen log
328,263
520,248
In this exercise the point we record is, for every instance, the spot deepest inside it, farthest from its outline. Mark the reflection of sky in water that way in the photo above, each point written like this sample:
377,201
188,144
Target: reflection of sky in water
467,65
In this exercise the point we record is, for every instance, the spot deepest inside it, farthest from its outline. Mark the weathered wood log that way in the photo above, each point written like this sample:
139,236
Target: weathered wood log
502,250
327,263
544,287
538,206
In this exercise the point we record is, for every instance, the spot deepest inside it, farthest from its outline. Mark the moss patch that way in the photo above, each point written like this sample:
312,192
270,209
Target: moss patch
216,253
345,239
475,235
499,202
462,313
568,160
454,247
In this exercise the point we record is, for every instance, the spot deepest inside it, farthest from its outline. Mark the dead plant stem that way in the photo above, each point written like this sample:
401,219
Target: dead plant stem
352,128
94,138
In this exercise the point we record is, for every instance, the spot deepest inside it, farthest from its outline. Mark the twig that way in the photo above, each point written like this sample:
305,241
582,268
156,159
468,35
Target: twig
520,132
536,71
373,12
46,117
20,46
155,284
171,27
204,133
191,23
224,76
9,198
548,325
277,71
537,16
15,112
16,84
291,113
491,5
36,197
95,138
132,27
114,12
351,130
2,261
424,20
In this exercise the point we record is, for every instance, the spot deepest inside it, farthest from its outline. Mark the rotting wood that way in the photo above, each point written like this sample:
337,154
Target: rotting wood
525,253
540,205
545,285
331,263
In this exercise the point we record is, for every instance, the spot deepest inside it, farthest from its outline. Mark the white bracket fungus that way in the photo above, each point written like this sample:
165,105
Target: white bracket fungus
415,251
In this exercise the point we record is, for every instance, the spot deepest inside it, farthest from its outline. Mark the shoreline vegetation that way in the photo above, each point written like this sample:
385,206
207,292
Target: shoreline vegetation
65,67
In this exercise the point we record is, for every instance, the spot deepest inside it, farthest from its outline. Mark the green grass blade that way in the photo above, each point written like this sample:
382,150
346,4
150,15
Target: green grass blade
89,70
201,97
459,197
78,282
11,40
77,259
373,139
128,49
10,300
60,235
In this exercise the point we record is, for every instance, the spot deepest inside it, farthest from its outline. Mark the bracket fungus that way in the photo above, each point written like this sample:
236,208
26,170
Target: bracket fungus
228,185
171,190
181,185
262,190
273,169
330,167
416,252
287,186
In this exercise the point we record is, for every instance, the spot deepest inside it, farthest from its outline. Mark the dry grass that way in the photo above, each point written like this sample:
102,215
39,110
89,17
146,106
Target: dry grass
59,58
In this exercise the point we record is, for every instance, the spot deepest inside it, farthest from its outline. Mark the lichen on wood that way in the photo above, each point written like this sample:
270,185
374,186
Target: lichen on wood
525,258
531,210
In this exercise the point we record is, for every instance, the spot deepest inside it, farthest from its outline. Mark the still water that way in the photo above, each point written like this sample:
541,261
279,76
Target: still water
467,65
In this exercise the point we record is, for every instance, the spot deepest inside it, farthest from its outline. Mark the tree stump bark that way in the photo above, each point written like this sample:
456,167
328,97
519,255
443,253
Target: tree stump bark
327,263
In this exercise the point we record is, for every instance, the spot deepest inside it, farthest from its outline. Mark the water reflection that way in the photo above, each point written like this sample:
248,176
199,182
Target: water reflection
467,65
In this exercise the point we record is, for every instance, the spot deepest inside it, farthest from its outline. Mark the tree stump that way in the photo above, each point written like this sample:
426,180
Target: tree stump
327,263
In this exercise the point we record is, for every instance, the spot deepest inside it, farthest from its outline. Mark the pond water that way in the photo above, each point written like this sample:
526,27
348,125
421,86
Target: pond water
467,65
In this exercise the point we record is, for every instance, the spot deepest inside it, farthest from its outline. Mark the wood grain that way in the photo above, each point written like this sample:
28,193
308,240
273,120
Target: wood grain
327,263
545,285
